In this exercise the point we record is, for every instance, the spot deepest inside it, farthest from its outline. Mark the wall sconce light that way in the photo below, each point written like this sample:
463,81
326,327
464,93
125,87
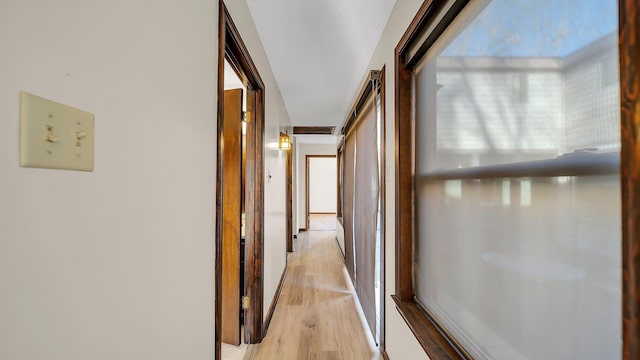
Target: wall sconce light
285,142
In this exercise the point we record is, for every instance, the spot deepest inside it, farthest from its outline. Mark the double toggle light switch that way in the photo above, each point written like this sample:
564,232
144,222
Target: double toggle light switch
54,135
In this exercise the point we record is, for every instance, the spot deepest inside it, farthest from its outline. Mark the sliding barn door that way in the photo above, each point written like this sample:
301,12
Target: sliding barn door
366,198
361,195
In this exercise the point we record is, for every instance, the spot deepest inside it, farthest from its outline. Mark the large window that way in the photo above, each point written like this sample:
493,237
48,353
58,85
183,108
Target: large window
515,228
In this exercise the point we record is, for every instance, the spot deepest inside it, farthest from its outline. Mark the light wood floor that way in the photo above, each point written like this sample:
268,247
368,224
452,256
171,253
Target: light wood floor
322,222
316,316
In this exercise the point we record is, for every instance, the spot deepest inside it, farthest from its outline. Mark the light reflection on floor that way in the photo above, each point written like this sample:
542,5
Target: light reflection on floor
232,352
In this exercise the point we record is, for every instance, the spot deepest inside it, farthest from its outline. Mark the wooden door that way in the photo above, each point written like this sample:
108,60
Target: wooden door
231,213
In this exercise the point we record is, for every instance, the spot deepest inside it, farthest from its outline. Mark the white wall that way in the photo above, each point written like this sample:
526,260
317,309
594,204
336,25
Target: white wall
276,120
301,150
115,263
323,185
400,341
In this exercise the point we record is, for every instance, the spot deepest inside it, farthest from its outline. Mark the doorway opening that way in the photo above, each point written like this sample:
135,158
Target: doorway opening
239,192
321,192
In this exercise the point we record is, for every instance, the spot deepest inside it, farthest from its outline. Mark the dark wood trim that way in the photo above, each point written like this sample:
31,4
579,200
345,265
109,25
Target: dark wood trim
405,140
427,32
313,130
407,55
302,230
231,47
383,195
306,192
274,302
404,167
321,213
340,178
629,41
254,280
306,186
417,25
435,343
250,218
289,200
238,55
219,167
432,340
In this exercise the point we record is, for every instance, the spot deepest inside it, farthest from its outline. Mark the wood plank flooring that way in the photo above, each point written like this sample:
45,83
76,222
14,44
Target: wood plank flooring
316,316
322,222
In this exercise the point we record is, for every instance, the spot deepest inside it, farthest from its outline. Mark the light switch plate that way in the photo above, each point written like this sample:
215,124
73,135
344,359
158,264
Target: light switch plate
54,136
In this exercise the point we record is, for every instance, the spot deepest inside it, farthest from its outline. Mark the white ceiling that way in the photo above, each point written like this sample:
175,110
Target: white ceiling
316,139
319,50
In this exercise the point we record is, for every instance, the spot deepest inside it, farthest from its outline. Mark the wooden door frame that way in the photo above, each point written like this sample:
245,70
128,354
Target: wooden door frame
289,191
629,33
306,187
232,48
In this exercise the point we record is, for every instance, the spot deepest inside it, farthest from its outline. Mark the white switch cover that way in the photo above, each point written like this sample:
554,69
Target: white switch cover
54,136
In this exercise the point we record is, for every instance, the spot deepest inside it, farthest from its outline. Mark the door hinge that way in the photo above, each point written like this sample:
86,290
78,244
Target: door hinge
244,116
245,302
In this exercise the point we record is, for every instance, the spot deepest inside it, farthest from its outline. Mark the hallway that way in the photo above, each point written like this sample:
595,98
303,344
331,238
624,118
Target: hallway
316,316
487,179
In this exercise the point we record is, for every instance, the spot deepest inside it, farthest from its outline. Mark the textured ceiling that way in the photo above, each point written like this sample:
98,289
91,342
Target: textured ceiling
319,51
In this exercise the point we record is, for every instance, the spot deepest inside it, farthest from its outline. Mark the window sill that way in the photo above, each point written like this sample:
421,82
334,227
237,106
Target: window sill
434,343
573,164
